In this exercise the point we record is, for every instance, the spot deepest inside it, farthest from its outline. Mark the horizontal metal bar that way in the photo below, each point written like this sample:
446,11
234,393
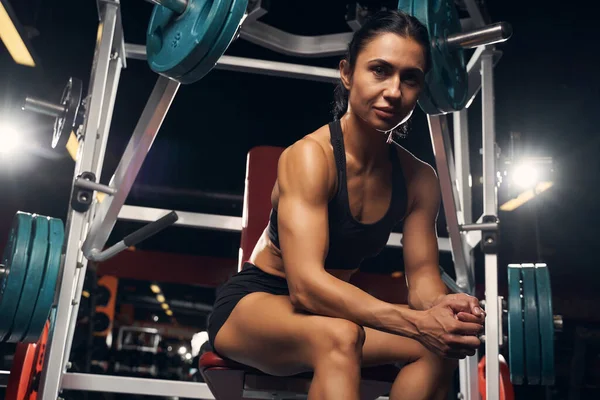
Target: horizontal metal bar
187,219
256,66
43,107
487,226
85,184
140,386
274,39
4,378
224,222
274,68
485,35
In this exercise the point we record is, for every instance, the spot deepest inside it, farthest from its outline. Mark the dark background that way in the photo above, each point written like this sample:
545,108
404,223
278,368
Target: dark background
546,89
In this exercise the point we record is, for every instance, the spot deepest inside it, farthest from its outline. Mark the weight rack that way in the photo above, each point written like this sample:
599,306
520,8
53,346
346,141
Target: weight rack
88,229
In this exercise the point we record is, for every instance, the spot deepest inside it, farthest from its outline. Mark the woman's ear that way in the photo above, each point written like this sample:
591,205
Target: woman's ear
345,74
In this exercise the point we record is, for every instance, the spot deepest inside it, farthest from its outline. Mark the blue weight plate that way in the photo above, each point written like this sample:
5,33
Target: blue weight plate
546,323
236,13
176,43
446,86
531,323
35,271
406,6
45,297
516,352
15,260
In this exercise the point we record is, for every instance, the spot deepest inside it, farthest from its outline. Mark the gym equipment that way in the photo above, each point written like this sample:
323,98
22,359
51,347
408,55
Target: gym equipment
507,391
67,113
27,367
31,264
515,326
14,261
45,296
446,88
185,42
228,33
93,229
547,325
32,281
531,324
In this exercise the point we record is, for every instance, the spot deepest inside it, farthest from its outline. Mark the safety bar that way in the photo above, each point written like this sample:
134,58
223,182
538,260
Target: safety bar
134,238
139,145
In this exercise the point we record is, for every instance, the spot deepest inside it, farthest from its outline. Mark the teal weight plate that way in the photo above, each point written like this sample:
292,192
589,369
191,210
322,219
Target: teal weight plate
176,43
45,297
531,323
14,259
546,322
35,271
446,88
406,6
238,8
516,350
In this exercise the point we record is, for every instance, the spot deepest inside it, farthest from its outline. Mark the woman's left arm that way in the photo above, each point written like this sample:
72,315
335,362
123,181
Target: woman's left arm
420,244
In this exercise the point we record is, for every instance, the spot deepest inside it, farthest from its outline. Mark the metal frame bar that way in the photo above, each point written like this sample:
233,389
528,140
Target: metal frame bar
110,57
89,158
490,207
256,66
269,37
223,222
440,138
138,147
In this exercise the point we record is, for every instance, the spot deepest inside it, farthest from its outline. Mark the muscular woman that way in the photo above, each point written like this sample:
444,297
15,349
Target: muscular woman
339,192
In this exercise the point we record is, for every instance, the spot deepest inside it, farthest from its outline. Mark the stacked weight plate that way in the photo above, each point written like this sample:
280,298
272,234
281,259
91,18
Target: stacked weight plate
447,83
30,263
530,324
185,47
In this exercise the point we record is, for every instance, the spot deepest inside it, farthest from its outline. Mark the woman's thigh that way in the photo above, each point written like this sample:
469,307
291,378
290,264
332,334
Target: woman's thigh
266,332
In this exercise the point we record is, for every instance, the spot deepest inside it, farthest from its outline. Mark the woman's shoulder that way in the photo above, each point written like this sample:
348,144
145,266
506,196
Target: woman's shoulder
312,154
415,169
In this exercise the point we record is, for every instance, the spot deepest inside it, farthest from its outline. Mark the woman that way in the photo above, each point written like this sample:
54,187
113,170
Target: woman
339,193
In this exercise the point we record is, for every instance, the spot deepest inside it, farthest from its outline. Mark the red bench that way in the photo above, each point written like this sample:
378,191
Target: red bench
229,380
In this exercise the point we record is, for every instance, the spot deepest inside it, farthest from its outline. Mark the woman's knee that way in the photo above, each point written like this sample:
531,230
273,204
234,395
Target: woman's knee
339,336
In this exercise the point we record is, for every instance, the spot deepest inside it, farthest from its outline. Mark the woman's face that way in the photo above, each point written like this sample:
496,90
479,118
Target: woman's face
386,82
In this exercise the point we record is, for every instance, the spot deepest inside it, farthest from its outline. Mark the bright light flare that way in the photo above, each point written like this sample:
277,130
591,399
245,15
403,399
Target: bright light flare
525,175
10,140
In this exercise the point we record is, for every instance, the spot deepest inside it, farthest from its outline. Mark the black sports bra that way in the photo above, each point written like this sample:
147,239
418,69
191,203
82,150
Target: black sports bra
350,241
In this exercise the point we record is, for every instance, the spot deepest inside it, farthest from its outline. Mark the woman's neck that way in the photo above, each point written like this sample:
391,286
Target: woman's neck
368,146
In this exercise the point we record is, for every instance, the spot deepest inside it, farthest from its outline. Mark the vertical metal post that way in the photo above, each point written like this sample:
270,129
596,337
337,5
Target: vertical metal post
114,74
87,160
463,163
490,207
442,148
468,374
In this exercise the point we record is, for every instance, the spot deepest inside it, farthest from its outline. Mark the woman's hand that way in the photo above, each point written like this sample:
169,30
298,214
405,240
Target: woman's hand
466,308
449,328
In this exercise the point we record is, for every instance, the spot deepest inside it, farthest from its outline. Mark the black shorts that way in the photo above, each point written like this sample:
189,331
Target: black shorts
249,280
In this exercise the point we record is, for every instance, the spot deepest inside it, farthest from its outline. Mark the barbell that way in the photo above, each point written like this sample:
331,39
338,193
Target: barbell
186,38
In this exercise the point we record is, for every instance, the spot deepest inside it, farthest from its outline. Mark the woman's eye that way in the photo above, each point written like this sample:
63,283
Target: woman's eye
379,71
411,81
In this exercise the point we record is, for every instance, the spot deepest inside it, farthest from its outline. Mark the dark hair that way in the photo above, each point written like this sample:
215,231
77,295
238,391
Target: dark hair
386,21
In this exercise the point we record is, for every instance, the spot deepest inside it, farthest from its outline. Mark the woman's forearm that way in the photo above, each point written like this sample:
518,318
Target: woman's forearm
332,297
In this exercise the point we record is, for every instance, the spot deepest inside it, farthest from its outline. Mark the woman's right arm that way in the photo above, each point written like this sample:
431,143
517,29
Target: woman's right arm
304,187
